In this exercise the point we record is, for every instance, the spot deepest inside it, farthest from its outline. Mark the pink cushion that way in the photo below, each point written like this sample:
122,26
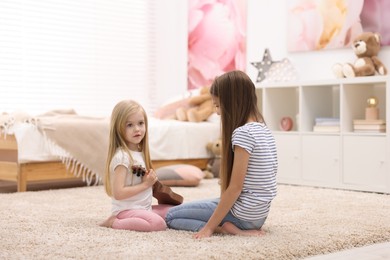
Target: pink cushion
180,175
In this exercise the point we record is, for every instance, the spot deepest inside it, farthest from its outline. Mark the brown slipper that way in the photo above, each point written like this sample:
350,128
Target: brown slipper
165,195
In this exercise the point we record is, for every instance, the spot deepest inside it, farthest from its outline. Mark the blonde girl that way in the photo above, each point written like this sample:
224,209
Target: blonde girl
130,188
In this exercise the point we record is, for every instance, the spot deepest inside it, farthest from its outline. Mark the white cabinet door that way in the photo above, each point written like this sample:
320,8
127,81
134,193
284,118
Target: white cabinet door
365,164
321,159
288,147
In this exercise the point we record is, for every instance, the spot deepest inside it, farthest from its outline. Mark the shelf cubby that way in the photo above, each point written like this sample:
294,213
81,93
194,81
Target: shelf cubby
336,159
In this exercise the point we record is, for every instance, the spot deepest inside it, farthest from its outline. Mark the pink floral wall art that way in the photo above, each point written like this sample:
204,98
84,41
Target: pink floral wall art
216,39
373,18
322,24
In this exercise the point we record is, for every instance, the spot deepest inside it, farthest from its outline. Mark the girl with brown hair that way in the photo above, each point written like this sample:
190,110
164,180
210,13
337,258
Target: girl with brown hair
248,167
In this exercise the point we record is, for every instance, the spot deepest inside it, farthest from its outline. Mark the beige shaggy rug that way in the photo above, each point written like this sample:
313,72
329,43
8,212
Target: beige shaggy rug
304,221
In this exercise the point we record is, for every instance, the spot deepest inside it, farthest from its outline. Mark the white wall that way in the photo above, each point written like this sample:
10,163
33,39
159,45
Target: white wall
171,49
266,28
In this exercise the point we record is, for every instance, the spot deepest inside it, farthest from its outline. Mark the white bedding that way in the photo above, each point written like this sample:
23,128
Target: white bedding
168,140
172,139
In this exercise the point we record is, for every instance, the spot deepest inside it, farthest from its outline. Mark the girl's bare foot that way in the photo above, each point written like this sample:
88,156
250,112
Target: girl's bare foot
230,228
108,222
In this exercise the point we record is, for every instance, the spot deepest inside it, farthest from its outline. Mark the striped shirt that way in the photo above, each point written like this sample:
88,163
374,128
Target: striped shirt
260,181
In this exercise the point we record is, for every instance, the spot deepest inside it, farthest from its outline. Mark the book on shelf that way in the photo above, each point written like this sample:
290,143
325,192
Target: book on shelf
326,128
369,122
327,121
369,127
369,130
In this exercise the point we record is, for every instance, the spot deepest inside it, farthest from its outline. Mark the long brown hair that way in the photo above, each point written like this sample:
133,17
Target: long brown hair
238,102
119,116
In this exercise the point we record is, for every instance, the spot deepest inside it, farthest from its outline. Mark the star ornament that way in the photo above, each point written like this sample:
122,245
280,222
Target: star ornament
263,66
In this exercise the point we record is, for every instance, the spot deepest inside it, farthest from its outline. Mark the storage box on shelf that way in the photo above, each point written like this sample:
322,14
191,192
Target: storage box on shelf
341,158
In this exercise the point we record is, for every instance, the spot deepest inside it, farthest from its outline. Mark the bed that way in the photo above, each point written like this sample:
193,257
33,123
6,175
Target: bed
63,146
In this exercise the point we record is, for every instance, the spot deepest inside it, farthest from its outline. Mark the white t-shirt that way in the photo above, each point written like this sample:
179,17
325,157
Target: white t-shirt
142,200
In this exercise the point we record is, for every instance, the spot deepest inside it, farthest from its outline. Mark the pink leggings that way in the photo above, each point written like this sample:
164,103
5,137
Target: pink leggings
142,220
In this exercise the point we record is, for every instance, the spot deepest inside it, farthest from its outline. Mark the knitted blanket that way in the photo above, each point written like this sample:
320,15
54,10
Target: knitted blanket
81,142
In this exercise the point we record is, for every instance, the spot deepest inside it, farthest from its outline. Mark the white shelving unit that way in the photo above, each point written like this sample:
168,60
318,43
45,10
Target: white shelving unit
344,159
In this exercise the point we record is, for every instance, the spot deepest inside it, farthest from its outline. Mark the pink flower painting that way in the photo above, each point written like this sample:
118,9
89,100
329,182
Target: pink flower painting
216,39
327,24
323,24
373,18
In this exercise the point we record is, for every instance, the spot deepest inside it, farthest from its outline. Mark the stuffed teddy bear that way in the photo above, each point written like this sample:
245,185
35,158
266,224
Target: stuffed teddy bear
366,47
199,108
213,166
195,107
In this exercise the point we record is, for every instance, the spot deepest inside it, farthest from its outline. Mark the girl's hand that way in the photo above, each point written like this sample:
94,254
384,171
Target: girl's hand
150,177
204,232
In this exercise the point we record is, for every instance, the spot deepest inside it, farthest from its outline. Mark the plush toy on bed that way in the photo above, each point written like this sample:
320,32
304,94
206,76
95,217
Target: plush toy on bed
366,47
193,108
213,166
199,109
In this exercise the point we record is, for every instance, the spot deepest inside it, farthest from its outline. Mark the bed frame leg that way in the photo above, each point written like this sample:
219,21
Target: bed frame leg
22,181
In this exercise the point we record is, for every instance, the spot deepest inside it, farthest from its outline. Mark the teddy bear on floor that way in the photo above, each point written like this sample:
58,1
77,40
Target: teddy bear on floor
213,166
199,108
366,47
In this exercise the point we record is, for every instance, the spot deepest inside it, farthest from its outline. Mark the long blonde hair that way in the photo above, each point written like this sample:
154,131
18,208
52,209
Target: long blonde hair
238,102
119,116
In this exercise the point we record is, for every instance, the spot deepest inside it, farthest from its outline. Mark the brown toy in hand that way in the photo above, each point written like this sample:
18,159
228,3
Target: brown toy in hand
161,192
366,47
138,170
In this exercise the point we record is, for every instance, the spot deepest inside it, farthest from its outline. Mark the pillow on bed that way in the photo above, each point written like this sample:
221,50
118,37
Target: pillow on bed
180,175
168,111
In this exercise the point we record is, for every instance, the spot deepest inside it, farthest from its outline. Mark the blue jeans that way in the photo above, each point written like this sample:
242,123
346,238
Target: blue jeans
192,216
